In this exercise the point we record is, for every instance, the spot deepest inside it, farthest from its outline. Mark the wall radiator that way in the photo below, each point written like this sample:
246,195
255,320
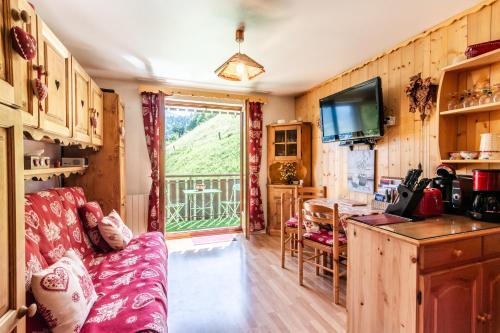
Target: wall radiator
137,212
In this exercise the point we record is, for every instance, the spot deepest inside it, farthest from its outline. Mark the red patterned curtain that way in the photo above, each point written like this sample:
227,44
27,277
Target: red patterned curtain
255,156
151,104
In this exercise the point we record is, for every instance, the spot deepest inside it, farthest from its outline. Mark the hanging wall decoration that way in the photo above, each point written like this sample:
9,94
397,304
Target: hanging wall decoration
24,43
39,88
422,95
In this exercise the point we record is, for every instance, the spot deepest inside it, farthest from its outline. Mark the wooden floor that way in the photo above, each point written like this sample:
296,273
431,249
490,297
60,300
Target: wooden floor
239,286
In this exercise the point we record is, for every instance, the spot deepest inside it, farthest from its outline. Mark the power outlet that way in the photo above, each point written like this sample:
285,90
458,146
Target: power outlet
390,121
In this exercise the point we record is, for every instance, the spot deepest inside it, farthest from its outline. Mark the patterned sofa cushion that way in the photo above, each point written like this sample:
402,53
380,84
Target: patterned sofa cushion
73,198
324,237
45,224
131,286
90,214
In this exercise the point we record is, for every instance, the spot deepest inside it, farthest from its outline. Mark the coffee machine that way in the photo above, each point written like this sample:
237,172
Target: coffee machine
444,182
486,193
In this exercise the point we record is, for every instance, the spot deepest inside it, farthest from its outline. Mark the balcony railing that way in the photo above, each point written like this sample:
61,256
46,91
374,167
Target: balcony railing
202,201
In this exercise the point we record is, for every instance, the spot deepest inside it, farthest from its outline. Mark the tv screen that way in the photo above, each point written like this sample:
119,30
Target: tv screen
353,114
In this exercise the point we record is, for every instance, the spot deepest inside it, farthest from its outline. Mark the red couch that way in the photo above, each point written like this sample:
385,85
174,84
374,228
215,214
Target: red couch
131,284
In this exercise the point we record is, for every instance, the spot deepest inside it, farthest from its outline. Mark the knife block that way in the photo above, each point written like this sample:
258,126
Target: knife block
406,202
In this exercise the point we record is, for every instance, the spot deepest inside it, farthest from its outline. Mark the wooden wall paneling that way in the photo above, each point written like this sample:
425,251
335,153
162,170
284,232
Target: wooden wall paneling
421,64
400,148
394,109
409,157
382,148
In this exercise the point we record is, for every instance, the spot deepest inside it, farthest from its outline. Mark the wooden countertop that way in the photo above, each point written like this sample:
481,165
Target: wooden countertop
435,230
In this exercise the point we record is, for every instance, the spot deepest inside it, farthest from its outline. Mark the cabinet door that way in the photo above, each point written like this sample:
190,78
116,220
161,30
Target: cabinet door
274,208
12,293
286,143
451,300
23,72
82,129
98,113
56,114
491,296
6,86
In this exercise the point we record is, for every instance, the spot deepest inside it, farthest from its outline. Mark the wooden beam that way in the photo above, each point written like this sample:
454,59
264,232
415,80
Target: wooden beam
175,91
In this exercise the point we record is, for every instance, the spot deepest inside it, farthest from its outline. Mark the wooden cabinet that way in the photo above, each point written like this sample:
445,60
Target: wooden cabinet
430,284
451,300
56,116
104,180
490,315
97,114
12,293
286,143
6,80
22,70
82,129
274,193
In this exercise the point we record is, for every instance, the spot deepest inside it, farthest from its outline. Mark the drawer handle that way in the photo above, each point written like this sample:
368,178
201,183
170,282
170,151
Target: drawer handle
457,253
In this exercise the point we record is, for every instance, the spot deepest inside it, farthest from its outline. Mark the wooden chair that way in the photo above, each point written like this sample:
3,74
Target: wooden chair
289,224
324,243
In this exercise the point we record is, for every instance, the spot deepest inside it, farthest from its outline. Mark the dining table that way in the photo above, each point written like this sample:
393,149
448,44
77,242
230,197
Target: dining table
194,207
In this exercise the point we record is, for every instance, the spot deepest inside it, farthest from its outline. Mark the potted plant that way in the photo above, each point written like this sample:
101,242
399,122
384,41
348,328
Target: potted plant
288,172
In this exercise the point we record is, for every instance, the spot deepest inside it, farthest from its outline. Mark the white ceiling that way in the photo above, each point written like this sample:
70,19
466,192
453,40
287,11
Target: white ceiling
299,42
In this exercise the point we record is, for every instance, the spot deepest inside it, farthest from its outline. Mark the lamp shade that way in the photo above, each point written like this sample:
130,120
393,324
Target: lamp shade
239,67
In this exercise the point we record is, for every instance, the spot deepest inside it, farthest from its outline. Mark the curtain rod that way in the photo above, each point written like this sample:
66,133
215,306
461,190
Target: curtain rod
175,91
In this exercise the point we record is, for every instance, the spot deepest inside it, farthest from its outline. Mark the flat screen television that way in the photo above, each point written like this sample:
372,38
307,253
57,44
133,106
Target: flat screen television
353,114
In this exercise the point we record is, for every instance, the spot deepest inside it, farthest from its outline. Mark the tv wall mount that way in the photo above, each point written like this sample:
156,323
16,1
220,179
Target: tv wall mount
371,142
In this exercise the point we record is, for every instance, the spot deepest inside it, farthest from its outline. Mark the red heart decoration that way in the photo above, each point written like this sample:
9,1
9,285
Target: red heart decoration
55,281
24,43
40,90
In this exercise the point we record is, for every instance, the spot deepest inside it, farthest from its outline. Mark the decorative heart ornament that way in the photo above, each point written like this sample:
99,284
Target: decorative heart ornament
40,90
55,281
24,43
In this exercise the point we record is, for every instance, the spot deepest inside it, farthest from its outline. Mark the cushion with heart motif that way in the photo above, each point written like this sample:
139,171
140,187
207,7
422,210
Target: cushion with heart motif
114,231
23,42
64,293
91,214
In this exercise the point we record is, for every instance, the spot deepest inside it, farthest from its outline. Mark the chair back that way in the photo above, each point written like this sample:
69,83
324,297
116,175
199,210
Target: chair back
313,213
306,193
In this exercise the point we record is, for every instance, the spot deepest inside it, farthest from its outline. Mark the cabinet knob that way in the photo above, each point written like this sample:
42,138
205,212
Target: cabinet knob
24,310
457,253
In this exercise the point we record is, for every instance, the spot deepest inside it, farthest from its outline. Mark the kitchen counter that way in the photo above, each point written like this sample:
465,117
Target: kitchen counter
435,275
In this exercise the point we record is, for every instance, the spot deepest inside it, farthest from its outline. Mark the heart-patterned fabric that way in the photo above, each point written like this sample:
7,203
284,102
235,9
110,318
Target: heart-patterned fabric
91,215
64,293
131,284
114,231
132,287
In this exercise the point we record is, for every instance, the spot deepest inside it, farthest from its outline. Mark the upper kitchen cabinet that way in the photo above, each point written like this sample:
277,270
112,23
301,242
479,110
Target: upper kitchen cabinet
23,16
6,86
82,127
56,116
97,114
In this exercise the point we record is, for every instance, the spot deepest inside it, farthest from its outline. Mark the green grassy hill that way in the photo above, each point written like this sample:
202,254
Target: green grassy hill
213,147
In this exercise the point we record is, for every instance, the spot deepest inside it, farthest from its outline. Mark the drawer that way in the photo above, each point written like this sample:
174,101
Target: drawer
491,244
450,253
